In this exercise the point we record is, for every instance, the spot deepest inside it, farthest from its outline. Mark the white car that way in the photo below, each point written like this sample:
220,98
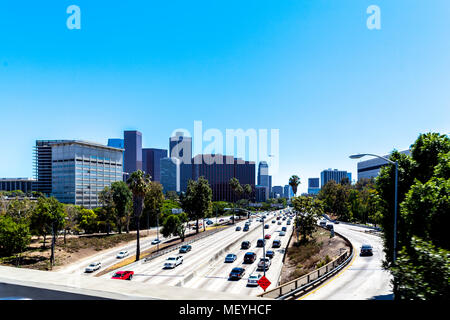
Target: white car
156,241
122,254
253,279
94,266
172,262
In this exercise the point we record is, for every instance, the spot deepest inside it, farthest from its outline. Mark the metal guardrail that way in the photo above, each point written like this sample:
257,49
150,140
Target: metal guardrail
311,279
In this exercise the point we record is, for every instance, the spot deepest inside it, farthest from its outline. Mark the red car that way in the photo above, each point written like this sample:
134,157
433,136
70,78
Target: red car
267,236
123,275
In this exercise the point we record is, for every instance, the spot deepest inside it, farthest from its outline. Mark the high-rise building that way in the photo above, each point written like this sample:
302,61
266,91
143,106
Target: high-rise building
180,147
12,184
277,191
313,185
260,193
170,174
270,187
371,168
219,172
336,175
263,177
76,171
151,162
133,151
286,191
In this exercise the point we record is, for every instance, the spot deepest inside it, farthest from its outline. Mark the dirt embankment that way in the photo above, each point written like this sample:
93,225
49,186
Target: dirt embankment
303,259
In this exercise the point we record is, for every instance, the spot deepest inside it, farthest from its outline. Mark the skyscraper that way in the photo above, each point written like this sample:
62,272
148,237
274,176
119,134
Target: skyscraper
336,175
277,191
263,177
76,171
219,174
286,191
313,185
133,151
170,174
180,147
116,143
151,162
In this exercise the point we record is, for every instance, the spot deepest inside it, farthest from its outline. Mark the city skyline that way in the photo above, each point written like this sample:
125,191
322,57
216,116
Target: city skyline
261,66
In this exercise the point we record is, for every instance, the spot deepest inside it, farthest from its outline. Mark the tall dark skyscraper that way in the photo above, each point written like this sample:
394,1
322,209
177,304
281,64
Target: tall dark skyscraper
151,162
180,147
219,174
133,151
263,177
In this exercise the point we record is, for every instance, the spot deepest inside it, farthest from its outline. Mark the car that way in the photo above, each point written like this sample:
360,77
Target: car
123,275
261,243
270,253
276,243
238,228
122,254
366,250
231,257
279,223
246,228
249,257
284,218
284,229
237,273
267,236
323,223
278,218
221,220
245,244
266,226
209,222
336,222
156,241
288,222
264,263
282,233
253,279
172,262
94,266
330,227
273,221
185,248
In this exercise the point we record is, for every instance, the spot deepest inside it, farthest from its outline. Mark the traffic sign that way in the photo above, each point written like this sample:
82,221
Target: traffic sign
264,283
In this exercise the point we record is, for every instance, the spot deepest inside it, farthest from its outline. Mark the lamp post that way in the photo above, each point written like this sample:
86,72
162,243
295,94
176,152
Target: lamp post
395,163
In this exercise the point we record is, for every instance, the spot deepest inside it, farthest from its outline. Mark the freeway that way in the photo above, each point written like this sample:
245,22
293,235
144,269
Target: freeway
364,277
204,266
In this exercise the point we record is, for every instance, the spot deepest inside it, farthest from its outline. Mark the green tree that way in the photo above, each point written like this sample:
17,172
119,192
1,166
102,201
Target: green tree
197,202
294,182
308,210
122,198
153,202
138,183
88,220
175,224
236,187
422,272
14,236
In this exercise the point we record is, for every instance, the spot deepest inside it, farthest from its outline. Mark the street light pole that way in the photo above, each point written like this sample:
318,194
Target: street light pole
395,163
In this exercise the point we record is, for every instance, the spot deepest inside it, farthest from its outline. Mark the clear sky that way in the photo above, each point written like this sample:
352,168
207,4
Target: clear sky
310,68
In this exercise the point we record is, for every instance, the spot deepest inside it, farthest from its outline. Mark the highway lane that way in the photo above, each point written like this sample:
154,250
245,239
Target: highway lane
364,278
109,257
203,251
214,276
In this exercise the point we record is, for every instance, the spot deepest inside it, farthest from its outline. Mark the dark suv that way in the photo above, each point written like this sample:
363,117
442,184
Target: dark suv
366,250
276,243
245,244
261,243
249,257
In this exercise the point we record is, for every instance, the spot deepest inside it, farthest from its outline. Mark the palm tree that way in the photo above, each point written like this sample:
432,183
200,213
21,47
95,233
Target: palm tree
294,181
138,183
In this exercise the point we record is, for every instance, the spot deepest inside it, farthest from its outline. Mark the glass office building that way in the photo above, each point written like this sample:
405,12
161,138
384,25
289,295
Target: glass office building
12,184
151,162
170,174
133,151
80,170
330,174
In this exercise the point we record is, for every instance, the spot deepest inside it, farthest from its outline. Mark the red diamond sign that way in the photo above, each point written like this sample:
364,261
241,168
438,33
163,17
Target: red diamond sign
264,283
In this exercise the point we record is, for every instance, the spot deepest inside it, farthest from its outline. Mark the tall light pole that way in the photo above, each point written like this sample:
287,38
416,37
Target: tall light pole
395,163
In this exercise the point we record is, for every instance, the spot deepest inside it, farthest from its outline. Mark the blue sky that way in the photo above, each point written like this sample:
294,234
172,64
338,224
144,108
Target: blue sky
311,69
